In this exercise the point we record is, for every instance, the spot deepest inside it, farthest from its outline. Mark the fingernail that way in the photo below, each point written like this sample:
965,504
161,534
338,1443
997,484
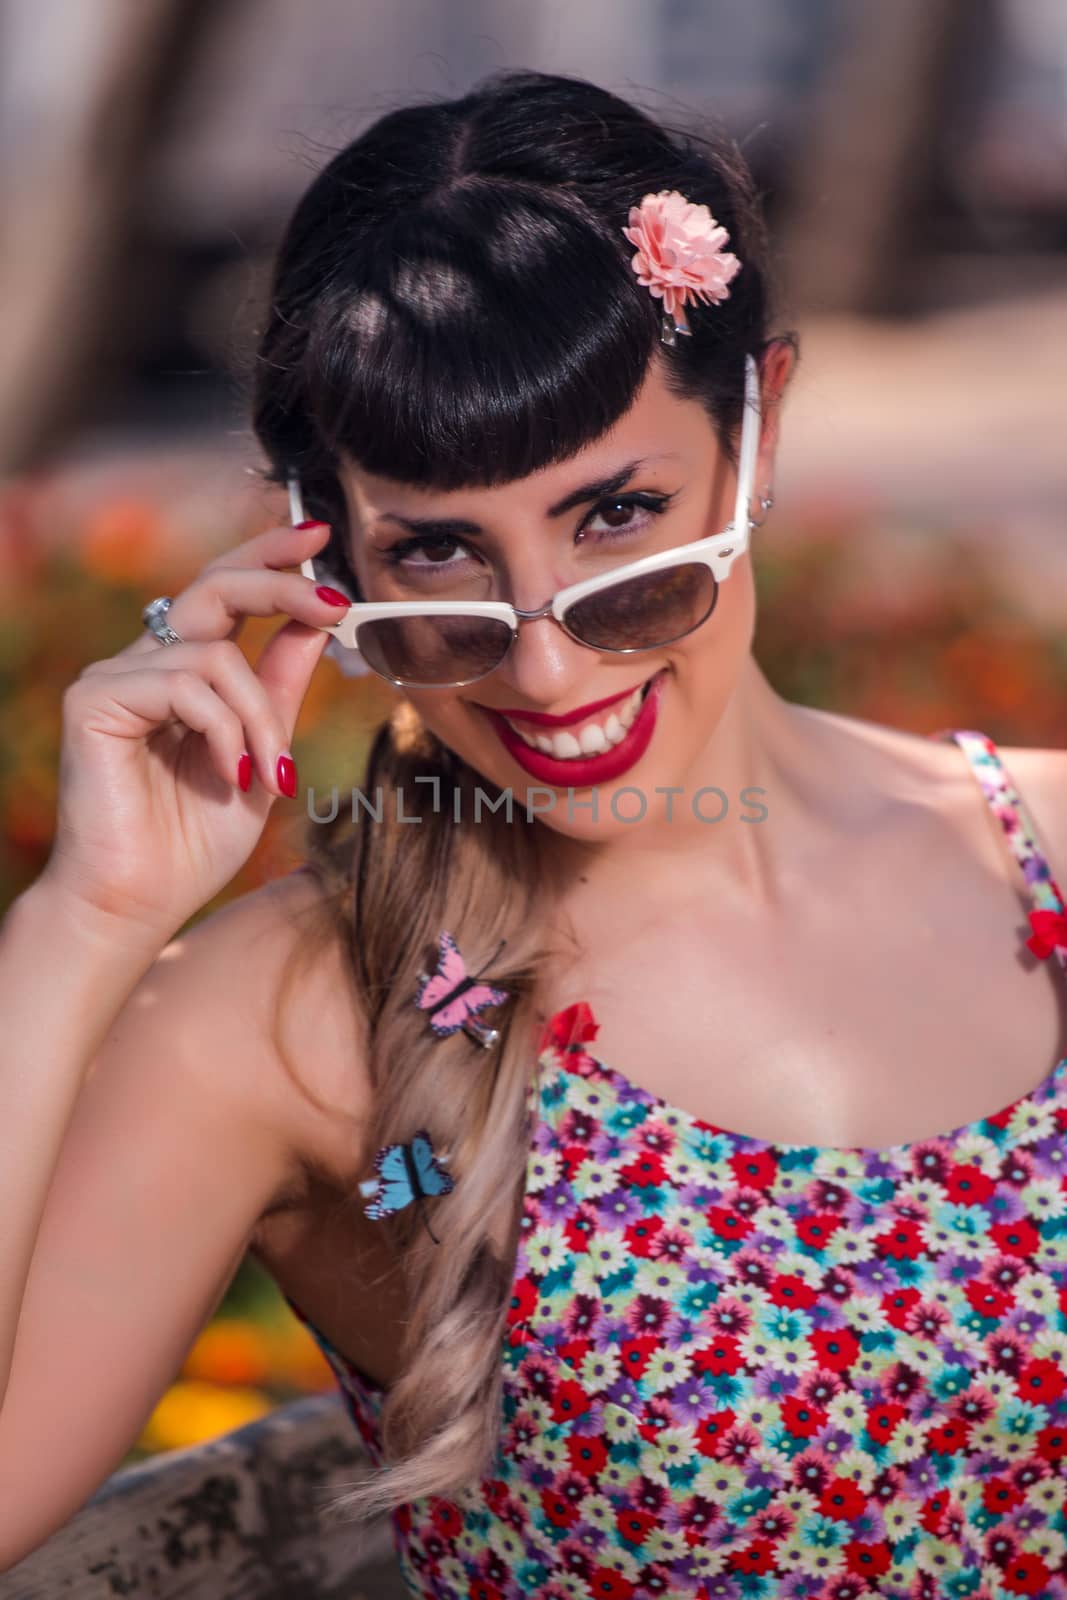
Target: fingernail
287,776
309,522
333,597
244,770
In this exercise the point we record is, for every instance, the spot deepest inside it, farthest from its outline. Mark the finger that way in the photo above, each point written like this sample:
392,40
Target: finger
134,704
227,669
275,546
217,602
224,665
285,666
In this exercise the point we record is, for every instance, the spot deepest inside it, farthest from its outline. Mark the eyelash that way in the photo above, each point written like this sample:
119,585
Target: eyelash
655,503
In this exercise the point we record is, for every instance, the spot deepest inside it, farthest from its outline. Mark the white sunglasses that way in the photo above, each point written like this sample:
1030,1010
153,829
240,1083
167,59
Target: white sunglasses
648,603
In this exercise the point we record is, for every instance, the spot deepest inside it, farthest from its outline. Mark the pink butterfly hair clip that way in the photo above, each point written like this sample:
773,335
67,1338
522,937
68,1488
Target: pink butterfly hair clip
680,257
452,996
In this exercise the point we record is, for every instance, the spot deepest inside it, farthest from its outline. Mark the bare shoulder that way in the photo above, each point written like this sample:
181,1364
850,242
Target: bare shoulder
296,1033
1040,776
936,774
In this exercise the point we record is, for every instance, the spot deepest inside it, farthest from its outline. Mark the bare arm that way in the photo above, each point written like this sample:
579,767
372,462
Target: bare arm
63,978
157,811
185,1132
146,1123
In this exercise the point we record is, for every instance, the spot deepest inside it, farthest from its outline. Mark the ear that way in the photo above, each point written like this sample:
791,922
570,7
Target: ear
777,364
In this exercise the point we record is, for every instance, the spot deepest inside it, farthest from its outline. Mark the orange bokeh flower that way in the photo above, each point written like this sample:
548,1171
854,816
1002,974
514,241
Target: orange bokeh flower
192,1413
230,1350
123,541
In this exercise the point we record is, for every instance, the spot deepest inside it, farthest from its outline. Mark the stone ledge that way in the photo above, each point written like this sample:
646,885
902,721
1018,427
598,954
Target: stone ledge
240,1518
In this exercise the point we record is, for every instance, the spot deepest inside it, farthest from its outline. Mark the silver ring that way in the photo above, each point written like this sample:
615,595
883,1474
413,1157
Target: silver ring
154,617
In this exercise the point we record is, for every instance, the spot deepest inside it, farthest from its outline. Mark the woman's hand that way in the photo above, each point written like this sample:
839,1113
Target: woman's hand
152,818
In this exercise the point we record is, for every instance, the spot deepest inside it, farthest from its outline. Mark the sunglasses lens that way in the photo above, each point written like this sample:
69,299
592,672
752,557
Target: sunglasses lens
636,614
641,613
424,652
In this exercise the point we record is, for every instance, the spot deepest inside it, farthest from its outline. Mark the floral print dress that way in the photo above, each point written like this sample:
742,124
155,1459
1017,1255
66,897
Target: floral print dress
734,1368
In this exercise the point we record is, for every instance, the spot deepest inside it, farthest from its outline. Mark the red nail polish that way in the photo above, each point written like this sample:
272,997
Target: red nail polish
244,770
309,522
287,776
333,597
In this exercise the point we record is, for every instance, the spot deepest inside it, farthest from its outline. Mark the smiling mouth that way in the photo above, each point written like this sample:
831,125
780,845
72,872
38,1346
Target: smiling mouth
594,736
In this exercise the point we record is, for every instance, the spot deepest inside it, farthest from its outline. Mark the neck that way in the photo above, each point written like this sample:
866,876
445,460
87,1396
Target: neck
791,771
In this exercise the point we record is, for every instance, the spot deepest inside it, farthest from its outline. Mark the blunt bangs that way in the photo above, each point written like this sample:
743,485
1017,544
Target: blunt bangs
490,331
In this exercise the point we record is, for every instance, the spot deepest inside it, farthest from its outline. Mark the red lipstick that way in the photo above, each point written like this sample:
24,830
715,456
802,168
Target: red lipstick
545,719
584,771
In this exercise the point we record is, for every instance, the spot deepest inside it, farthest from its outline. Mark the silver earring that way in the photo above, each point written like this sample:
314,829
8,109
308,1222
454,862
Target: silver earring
766,501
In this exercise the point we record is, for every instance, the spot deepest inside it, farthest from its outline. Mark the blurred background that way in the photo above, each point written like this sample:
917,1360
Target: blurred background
913,160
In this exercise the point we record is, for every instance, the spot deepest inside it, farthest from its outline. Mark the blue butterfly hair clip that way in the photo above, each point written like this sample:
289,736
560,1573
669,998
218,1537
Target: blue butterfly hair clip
406,1172
452,996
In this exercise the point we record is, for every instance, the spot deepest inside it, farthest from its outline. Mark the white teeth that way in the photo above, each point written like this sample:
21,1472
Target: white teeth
595,738
629,711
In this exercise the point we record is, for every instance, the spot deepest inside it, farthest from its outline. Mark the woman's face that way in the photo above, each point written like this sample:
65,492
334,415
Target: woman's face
521,542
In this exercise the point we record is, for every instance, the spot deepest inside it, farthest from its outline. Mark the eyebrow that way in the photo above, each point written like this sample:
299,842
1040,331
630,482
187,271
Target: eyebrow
444,527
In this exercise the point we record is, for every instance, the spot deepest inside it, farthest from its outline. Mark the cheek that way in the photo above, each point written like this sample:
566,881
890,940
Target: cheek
441,713
457,724
725,638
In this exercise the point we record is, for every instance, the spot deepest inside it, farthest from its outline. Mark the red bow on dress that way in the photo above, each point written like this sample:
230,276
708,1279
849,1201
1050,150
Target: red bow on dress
570,1027
1050,930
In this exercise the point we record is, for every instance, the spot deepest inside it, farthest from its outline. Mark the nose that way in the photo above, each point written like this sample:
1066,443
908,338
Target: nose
544,662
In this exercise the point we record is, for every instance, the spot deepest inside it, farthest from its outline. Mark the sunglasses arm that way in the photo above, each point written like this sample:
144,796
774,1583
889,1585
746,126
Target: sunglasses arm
749,451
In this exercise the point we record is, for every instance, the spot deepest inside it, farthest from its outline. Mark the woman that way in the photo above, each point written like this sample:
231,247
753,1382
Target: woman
464,1081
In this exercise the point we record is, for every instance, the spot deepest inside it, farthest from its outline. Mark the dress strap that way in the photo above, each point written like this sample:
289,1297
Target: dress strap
1048,918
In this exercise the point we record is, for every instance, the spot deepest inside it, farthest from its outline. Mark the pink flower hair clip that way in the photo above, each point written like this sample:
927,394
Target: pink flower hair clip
680,257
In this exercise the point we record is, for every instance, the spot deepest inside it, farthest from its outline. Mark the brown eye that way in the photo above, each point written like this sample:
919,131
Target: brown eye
617,513
630,513
439,549
423,550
